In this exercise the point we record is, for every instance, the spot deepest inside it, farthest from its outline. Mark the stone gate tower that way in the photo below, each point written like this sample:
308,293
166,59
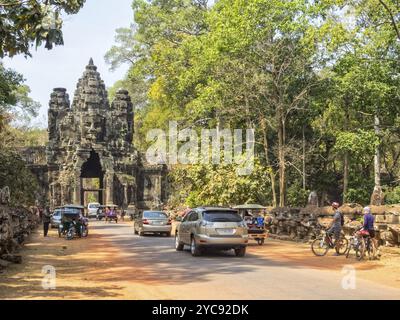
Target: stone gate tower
92,139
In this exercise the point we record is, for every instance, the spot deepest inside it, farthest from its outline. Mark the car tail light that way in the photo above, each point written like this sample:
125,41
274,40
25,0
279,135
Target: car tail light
169,222
145,221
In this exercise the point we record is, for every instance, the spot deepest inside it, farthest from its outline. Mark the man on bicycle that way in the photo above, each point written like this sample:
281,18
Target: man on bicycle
336,226
368,225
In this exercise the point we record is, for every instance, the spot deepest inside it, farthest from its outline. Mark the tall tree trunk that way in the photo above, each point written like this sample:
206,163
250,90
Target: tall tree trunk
281,158
270,169
345,176
304,160
346,160
377,195
377,157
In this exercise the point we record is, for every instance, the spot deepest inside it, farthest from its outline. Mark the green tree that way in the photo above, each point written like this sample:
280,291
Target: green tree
33,21
15,103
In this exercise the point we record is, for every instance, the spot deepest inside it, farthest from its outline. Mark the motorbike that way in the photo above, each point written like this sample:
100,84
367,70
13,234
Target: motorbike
73,223
70,233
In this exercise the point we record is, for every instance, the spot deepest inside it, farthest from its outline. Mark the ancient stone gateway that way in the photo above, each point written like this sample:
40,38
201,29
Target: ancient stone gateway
91,139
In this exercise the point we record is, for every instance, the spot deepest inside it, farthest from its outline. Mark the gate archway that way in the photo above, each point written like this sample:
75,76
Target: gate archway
92,176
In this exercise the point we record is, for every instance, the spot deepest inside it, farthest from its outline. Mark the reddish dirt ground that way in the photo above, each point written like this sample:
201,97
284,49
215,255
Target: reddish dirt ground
100,267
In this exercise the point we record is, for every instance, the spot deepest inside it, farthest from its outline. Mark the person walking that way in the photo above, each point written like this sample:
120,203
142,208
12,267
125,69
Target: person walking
46,221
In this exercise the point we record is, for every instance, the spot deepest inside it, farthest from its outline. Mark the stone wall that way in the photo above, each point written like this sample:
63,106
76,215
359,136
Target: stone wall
304,224
15,226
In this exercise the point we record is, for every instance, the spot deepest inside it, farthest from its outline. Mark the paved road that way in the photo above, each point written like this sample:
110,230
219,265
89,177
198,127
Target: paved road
165,273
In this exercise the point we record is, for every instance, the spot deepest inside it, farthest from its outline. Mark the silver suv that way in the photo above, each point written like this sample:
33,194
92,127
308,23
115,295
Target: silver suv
209,227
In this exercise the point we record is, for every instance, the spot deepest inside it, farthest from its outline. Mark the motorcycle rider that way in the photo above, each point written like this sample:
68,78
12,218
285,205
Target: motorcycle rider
336,226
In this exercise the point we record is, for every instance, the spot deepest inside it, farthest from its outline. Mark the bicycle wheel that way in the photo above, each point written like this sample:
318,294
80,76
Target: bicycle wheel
370,249
342,246
360,251
350,246
319,247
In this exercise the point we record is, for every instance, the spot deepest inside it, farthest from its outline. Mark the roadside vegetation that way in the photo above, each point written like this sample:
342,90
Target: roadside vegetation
23,26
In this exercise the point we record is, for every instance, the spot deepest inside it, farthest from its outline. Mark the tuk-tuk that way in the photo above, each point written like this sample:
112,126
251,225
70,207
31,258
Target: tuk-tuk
101,212
112,215
132,211
73,222
253,216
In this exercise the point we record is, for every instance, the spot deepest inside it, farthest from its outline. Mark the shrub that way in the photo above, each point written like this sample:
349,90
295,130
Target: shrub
358,195
392,195
297,196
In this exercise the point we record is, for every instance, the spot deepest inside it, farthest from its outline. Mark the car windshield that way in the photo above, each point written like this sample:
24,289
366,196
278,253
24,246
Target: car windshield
154,215
222,216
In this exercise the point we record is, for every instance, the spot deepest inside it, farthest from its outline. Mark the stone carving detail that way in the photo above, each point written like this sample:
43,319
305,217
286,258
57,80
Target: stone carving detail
304,224
5,195
92,138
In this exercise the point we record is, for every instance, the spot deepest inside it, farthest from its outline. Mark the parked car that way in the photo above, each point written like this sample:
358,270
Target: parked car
92,209
56,217
152,222
210,227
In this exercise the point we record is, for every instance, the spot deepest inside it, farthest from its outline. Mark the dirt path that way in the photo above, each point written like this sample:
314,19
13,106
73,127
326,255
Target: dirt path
79,264
114,264
385,271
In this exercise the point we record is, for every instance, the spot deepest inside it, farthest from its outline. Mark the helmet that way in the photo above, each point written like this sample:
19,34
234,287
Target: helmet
335,205
367,210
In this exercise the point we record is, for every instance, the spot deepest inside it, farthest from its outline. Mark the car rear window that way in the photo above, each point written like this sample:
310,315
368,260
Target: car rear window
154,215
71,211
221,216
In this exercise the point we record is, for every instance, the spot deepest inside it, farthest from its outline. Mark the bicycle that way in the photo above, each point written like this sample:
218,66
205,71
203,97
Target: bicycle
362,244
321,245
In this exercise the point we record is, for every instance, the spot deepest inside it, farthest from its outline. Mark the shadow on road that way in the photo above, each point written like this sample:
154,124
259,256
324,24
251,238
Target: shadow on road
113,256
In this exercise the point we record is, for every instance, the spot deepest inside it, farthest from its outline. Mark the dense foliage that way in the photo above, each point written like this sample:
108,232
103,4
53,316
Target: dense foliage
32,21
317,81
14,174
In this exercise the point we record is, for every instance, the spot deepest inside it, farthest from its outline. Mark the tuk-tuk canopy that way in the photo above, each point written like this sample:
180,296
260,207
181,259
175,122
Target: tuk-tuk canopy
73,206
249,207
111,205
72,209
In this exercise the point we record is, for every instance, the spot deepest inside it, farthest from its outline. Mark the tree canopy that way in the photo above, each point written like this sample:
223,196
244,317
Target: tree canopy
23,22
317,81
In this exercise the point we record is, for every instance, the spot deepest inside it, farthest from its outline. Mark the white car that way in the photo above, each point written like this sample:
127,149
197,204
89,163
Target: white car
92,209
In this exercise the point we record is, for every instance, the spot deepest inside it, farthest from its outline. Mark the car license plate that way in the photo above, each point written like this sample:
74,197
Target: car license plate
226,232
157,222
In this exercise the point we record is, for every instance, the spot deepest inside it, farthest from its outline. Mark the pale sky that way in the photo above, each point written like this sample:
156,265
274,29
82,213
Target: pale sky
90,33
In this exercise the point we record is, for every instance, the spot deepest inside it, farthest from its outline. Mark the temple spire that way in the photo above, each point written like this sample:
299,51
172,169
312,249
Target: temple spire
91,65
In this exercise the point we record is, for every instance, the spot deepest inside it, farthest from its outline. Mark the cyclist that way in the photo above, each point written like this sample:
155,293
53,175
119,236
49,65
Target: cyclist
336,226
368,225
